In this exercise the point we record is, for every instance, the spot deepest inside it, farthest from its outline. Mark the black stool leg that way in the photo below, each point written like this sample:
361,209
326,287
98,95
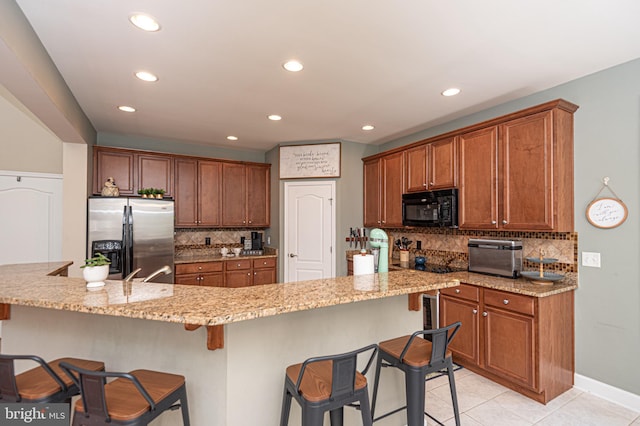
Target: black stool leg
414,385
312,416
337,416
184,407
365,410
286,406
375,385
454,395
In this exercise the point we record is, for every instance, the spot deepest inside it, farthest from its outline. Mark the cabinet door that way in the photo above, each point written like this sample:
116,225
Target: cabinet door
466,344
371,177
186,192
234,192
235,279
526,164
209,181
392,188
416,169
478,179
155,171
264,276
442,165
258,192
118,165
212,280
509,345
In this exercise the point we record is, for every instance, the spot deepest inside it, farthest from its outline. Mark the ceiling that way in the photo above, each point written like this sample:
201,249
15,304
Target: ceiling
378,62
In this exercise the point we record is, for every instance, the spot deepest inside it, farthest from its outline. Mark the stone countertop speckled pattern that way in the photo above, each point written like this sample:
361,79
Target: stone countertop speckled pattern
201,258
520,285
29,285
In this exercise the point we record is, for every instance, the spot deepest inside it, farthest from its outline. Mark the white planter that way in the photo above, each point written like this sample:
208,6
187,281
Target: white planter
95,275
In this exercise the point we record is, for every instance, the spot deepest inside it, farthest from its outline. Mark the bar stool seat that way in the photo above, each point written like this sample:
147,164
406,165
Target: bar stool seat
45,383
417,358
134,398
328,383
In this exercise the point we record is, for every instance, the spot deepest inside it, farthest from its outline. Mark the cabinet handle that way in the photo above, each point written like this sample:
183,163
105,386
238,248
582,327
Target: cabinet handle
475,311
504,222
457,291
505,301
430,183
255,273
493,222
264,263
244,221
250,222
424,184
484,314
248,274
199,268
384,221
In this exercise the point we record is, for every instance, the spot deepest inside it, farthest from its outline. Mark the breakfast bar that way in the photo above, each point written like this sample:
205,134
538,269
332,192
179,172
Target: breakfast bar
142,325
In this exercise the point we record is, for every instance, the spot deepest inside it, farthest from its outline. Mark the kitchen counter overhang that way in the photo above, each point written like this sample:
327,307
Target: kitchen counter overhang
29,285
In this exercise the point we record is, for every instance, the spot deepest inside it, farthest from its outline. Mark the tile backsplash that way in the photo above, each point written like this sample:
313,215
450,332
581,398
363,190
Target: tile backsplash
188,241
449,246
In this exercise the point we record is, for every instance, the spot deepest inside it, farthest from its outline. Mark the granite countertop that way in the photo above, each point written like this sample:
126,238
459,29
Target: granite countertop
519,285
202,258
29,285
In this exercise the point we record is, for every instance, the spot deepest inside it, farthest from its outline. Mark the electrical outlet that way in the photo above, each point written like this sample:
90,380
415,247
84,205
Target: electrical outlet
591,259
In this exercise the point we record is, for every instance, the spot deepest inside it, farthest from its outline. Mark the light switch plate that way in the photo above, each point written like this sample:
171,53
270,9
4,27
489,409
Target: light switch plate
591,259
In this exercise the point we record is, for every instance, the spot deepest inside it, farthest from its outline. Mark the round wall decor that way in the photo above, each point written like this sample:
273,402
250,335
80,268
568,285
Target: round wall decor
606,213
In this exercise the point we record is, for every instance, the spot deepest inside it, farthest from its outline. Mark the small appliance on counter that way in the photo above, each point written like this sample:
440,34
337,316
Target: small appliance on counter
495,257
378,239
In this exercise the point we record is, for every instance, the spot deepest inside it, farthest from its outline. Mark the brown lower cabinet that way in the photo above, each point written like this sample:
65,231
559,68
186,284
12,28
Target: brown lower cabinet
243,272
204,273
525,343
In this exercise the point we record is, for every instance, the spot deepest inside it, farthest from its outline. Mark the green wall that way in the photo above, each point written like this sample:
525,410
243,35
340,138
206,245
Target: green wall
607,140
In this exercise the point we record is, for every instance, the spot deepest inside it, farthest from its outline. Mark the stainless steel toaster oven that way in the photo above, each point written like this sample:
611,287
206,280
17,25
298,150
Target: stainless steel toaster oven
495,257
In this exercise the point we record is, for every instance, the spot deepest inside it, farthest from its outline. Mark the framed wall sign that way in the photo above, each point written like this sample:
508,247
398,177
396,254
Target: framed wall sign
310,161
606,212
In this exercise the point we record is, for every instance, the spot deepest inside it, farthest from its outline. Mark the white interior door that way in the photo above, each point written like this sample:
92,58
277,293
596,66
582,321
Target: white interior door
309,230
30,217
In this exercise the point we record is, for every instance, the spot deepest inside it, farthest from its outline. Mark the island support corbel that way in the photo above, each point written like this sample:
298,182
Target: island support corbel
215,335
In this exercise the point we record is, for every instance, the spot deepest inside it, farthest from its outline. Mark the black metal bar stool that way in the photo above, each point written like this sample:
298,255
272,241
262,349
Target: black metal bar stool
132,399
45,383
328,383
418,357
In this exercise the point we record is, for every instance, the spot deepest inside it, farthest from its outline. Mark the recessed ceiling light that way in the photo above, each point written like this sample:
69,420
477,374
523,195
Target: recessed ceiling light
368,127
451,92
146,76
144,22
232,138
274,117
293,66
126,108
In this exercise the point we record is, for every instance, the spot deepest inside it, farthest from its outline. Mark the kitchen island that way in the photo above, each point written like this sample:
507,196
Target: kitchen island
144,325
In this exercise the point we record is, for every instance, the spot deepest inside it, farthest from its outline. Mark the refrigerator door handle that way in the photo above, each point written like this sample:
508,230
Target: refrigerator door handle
125,244
130,237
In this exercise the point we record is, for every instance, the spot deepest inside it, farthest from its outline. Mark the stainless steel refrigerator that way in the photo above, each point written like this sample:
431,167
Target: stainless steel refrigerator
133,233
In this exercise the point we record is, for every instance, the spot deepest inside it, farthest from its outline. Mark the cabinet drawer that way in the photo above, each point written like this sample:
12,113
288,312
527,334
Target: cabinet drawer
267,262
510,301
463,291
194,268
237,265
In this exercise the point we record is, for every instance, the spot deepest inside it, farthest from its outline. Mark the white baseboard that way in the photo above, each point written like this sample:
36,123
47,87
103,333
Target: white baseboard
608,392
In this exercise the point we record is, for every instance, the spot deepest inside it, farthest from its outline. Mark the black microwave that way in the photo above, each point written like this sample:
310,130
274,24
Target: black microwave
431,208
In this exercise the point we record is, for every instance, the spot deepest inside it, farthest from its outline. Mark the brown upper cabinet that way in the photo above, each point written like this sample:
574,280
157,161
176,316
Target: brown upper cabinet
197,192
207,192
518,175
132,170
245,195
383,187
514,173
432,166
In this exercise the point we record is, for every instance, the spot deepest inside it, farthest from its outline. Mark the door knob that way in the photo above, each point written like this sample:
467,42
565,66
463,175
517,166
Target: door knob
475,311
293,255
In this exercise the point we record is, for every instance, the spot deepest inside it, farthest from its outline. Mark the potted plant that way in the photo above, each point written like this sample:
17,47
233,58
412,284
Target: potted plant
159,193
95,270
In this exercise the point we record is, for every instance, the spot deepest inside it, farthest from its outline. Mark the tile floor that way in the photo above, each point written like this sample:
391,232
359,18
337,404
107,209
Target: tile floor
485,403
